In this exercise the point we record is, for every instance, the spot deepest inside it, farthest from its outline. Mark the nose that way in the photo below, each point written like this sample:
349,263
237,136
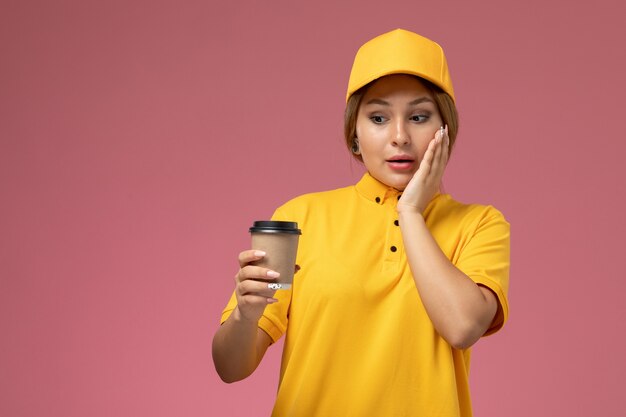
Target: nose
401,135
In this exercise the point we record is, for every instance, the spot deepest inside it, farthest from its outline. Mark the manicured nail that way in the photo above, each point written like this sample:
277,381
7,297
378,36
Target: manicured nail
446,129
272,300
259,253
273,274
274,286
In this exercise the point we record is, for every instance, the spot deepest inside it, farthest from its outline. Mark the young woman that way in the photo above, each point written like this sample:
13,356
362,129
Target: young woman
397,280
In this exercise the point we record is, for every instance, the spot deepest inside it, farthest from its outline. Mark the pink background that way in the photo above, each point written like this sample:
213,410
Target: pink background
139,140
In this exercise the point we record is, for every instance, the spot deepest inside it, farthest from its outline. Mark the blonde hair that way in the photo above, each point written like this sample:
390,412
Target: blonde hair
444,103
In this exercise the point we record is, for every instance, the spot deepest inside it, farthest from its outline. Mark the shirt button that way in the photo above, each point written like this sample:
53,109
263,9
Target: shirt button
378,199
396,223
393,249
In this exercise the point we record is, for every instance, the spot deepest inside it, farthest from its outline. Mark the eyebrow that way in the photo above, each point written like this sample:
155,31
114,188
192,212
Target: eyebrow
412,103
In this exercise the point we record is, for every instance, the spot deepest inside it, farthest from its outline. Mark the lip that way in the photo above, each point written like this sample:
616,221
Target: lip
401,162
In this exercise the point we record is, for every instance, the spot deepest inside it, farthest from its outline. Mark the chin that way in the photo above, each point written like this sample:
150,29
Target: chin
398,185
394,180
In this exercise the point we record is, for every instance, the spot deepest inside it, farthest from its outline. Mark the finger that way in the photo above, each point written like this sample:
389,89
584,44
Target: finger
442,157
253,300
248,256
256,273
436,163
251,287
424,167
426,162
447,144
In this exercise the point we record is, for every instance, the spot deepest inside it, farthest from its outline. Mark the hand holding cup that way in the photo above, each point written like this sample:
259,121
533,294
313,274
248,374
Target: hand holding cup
269,266
251,285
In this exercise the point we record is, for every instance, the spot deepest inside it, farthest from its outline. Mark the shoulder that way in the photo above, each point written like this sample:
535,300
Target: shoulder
317,200
445,209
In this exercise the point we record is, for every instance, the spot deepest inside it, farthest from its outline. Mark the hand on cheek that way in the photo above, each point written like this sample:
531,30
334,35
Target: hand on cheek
426,180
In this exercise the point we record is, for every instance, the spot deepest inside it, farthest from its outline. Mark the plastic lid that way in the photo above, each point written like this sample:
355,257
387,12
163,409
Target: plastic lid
269,226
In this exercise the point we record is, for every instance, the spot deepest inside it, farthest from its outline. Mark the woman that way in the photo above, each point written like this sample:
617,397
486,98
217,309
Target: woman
397,280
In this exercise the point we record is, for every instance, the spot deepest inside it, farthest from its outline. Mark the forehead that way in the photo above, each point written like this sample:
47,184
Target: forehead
397,84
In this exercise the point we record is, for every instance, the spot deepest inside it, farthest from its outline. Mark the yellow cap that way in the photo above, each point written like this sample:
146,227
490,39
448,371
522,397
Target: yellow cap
400,52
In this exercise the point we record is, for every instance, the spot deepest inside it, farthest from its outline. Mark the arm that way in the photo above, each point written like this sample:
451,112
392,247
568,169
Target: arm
460,310
238,347
239,344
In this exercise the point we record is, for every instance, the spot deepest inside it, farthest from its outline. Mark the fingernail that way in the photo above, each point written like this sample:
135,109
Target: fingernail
272,300
273,274
446,129
274,286
259,253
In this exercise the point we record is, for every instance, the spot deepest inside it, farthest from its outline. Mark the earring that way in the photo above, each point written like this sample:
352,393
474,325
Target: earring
355,147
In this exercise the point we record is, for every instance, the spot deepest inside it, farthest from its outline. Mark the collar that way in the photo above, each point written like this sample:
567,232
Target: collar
375,191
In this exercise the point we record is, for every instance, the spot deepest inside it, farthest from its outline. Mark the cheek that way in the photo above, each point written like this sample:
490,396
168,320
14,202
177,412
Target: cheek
370,145
369,132
423,146
370,142
366,150
360,128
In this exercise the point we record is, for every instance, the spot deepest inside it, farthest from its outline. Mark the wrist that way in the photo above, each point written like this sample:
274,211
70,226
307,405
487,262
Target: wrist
242,320
408,209
410,219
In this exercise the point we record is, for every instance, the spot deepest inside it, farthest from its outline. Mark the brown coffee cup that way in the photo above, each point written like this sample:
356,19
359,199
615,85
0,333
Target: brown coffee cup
279,241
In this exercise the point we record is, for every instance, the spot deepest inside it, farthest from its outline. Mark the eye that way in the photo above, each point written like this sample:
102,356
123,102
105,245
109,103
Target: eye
377,119
419,118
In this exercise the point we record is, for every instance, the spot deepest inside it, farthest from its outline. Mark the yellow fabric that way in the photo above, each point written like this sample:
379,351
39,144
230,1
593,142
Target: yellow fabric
400,52
358,340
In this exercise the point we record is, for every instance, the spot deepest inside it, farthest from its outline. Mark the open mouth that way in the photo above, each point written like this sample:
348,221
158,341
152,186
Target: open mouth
401,163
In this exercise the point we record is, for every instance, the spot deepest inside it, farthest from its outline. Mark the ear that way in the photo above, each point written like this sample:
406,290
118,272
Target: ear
355,146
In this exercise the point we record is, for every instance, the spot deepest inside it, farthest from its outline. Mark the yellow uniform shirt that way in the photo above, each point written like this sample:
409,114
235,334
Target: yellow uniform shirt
358,339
